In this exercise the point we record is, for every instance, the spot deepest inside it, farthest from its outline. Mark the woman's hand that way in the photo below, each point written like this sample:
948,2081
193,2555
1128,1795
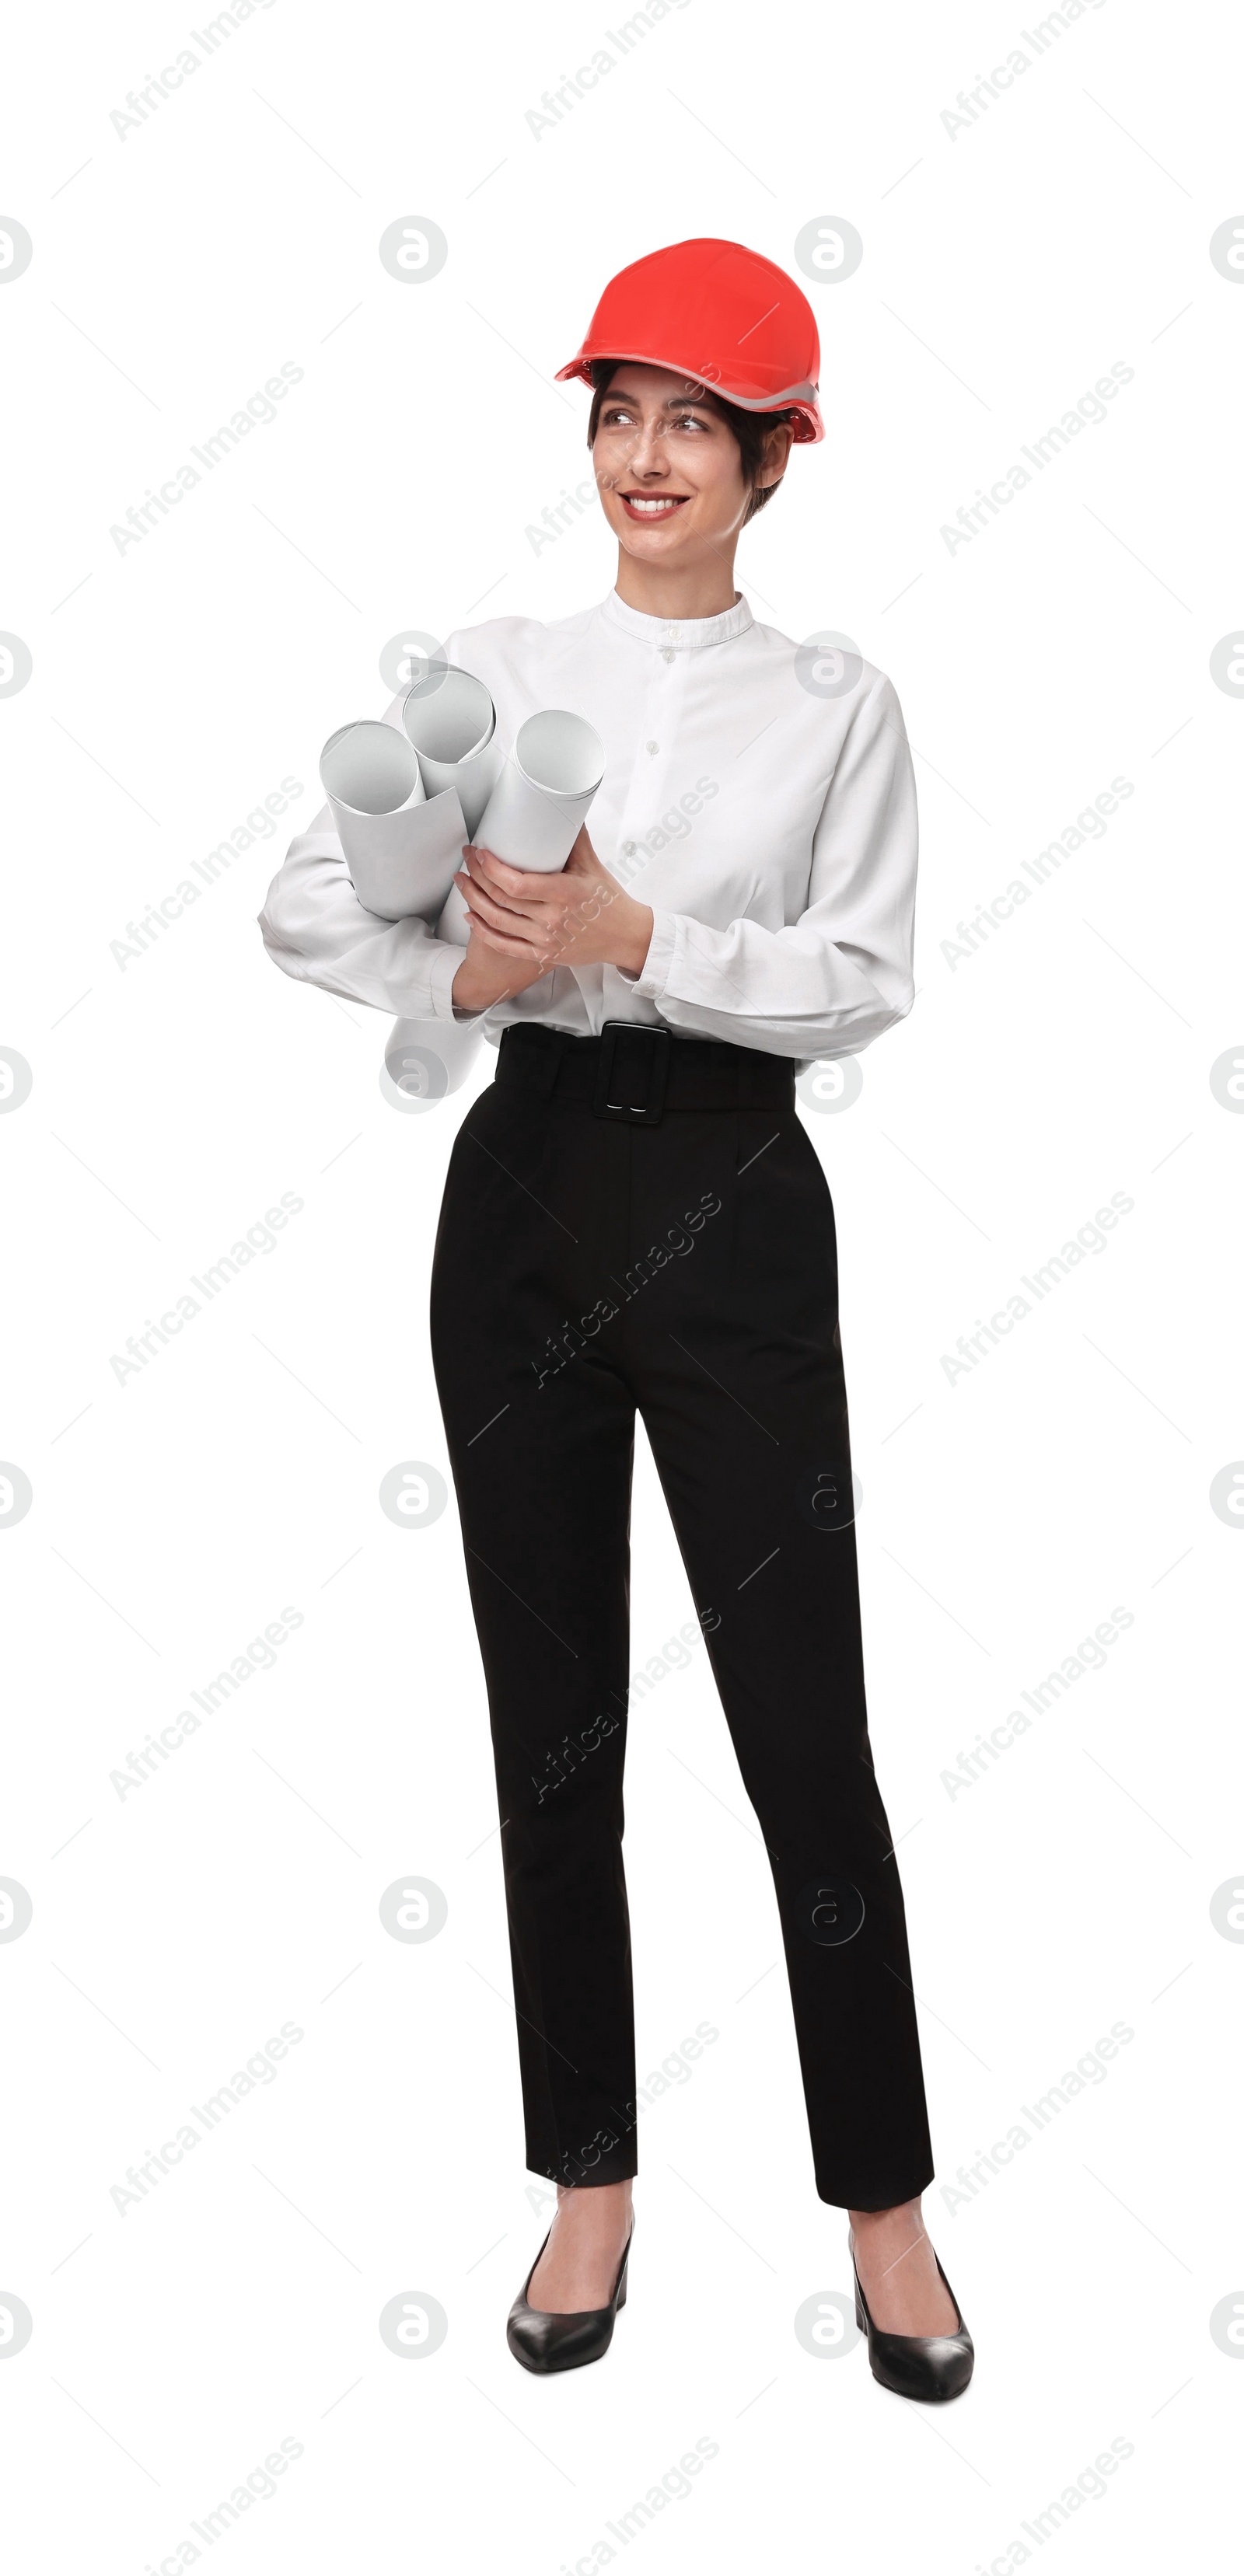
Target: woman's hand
576,916
485,977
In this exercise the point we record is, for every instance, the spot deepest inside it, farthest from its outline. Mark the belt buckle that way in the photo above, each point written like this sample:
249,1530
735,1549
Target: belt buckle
653,1109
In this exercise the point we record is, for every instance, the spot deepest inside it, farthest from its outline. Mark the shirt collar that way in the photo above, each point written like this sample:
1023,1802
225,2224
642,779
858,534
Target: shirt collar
678,633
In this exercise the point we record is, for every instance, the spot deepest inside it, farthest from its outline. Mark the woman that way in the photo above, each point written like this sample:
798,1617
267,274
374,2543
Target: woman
635,1219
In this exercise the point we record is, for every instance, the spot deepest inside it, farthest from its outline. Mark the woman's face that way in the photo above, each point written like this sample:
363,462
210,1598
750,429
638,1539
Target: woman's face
668,467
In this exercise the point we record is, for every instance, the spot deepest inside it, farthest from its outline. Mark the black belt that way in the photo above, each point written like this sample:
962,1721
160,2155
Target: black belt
635,1072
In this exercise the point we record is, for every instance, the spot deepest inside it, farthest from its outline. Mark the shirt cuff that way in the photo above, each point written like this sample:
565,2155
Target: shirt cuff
653,975
446,960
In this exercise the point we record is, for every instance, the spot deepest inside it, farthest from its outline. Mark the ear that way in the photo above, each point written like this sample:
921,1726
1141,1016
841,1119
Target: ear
777,449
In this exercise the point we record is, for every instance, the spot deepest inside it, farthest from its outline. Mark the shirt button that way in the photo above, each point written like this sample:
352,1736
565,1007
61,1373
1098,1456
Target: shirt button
628,849
653,748
667,652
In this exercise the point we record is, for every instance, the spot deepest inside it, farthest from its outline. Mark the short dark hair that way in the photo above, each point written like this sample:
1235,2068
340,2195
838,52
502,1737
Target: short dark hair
748,427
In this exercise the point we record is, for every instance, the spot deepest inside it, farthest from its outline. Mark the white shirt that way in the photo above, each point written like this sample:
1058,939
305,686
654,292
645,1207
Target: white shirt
771,827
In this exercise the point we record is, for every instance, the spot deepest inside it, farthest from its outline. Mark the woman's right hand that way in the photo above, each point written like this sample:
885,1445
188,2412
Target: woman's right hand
478,982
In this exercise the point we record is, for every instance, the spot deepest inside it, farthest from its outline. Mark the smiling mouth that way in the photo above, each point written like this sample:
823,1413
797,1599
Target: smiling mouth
649,506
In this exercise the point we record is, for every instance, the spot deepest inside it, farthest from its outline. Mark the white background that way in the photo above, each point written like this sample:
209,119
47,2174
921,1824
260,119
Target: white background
177,1095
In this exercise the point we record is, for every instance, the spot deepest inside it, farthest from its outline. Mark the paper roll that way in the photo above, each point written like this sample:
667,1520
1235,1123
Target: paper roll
401,846
544,790
368,769
541,797
424,1060
451,721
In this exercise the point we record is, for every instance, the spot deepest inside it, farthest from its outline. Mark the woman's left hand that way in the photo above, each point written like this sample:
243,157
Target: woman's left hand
576,916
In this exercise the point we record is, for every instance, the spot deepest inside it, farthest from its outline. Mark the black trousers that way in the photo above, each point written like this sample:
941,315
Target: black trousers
599,1253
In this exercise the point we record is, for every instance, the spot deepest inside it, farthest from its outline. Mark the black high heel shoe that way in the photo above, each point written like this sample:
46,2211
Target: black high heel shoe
543,2340
930,2367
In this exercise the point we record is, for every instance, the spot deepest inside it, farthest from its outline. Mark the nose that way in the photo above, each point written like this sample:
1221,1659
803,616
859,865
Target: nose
648,455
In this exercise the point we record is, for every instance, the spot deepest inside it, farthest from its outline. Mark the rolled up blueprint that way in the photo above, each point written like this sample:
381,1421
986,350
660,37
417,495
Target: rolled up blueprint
426,1059
541,797
533,815
367,769
451,721
400,846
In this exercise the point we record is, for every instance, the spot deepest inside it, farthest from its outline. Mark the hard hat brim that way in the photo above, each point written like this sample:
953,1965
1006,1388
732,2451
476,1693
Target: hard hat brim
801,399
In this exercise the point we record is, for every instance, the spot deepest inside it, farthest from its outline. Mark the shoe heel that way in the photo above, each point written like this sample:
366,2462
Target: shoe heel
859,2315
622,2292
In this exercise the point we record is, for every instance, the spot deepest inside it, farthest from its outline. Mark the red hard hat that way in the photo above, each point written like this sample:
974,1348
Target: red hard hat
720,314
